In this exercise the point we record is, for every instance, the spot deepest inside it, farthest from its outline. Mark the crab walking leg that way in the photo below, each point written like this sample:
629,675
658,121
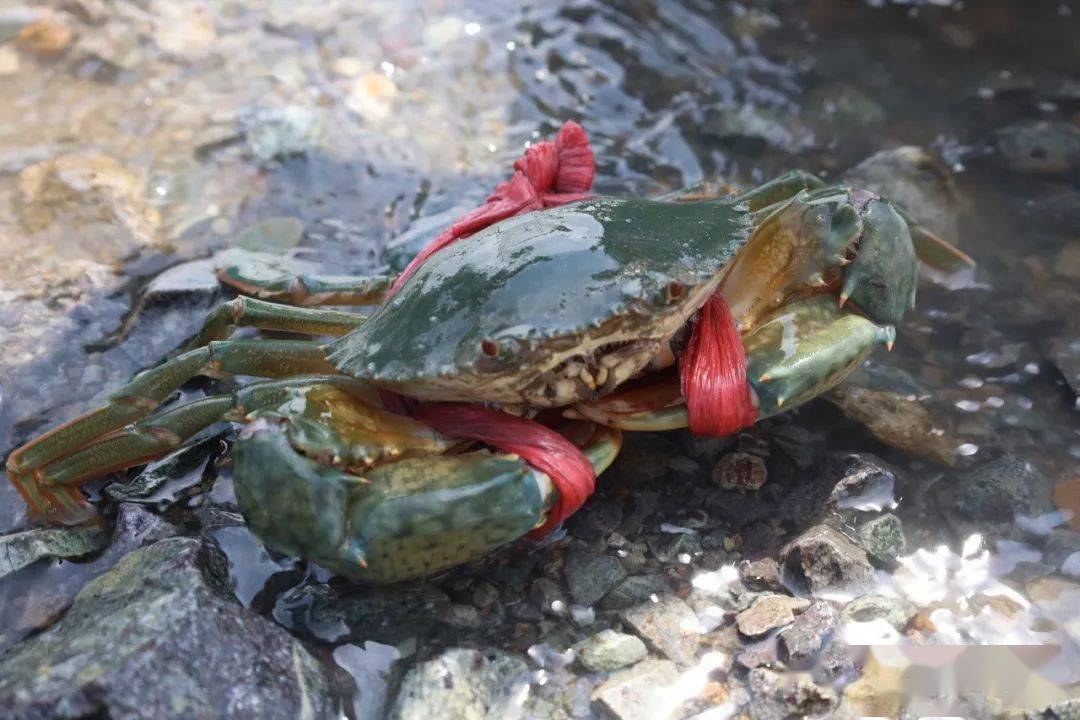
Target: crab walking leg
263,358
401,520
149,439
249,312
270,277
779,189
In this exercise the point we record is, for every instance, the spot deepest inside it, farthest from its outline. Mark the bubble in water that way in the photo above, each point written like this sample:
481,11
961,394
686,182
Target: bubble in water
967,449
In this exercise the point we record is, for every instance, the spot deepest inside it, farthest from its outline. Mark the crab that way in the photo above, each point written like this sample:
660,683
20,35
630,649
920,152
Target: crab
574,316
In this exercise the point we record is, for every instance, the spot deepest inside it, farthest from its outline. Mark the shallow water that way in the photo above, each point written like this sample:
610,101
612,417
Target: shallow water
407,110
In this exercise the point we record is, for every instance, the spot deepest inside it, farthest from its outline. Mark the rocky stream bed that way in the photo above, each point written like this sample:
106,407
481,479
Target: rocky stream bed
907,546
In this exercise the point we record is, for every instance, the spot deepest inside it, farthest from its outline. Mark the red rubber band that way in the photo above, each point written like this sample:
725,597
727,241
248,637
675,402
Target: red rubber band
540,446
713,374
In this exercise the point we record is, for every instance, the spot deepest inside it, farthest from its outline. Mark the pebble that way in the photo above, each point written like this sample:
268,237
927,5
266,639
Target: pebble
610,650
590,576
995,491
740,471
769,612
668,626
811,630
823,559
883,539
633,591
632,694
44,37
776,696
763,653
877,607
461,683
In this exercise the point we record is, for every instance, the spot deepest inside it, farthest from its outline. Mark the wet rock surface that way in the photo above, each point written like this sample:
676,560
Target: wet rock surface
159,135
153,639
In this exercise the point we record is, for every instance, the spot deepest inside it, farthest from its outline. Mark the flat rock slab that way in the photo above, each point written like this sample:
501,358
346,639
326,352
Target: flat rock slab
635,693
769,612
151,639
668,626
21,549
462,683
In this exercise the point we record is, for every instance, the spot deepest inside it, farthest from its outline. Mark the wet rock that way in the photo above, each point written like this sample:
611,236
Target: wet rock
45,37
869,608
676,547
915,179
276,133
391,615
463,617
996,491
271,235
1041,147
1061,544
769,612
668,626
897,421
461,683
610,650
823,559
24,548
547,594
776,696
590,576
883,539
1064,352
634,694
811,629
763,574
633,591
152,639
763,653
865,483
597,520
94,195
740,471
163,481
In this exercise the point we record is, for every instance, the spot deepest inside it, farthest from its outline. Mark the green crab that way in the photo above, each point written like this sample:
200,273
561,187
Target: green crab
577,313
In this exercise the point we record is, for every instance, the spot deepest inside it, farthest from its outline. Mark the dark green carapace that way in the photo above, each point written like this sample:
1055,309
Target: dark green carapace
520,296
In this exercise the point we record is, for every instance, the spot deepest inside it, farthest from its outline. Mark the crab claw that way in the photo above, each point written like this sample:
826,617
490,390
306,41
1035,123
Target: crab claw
881,280
806,348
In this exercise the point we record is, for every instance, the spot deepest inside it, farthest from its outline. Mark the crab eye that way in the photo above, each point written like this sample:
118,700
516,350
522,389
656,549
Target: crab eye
489,348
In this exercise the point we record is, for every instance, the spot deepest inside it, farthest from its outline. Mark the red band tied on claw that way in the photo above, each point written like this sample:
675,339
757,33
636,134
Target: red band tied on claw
713,374
540,446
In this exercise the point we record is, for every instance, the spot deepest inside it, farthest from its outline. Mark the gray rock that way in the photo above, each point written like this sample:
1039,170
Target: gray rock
775,696
547,594
763,653
675,547
610,650
865,483
763,574
996,491
1041,147
24,548
769,612
464,617
810,631
822,559
633,591
461,683
274,133
883,539
151,639
590,576
877,607
631,694
668,626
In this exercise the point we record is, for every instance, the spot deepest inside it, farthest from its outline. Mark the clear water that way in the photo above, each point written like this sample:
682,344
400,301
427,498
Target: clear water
421,107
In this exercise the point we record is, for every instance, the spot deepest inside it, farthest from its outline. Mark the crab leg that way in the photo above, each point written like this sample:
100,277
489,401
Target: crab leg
263,358
779,189
270,277
249,312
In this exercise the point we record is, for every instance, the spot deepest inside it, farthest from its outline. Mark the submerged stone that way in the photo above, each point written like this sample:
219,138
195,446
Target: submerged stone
610,650
151,639
462,683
